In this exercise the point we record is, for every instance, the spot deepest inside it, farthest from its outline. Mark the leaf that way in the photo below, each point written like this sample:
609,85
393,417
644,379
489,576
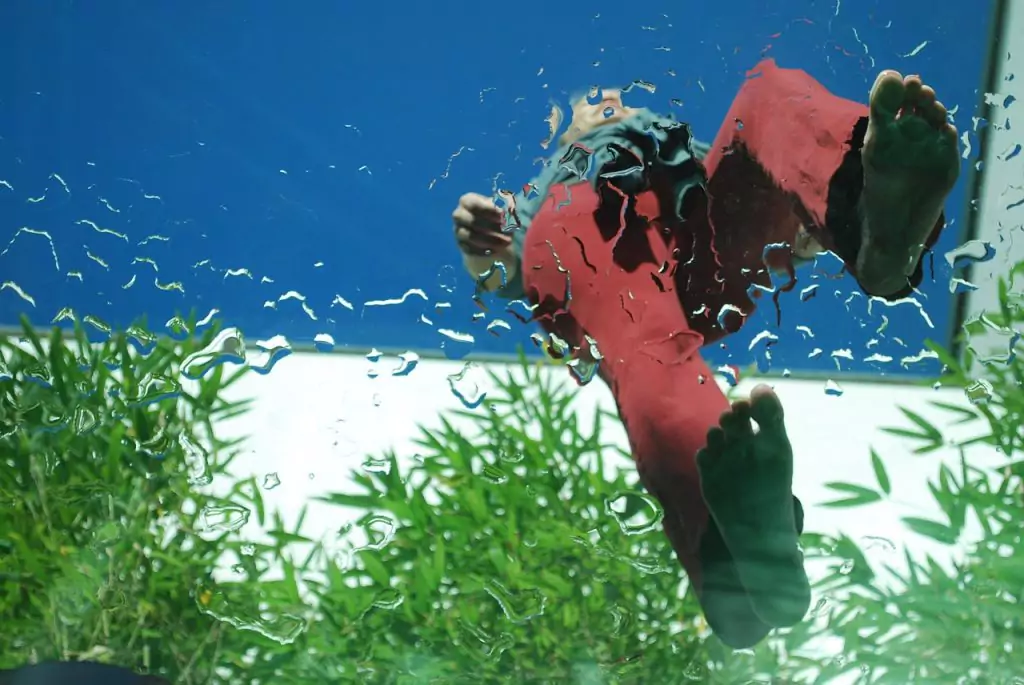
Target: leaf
283,537
931,529
341,499
375,568
859,495
880,475
928,431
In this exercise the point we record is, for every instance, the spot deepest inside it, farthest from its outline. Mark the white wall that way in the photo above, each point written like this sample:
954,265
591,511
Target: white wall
316,417
999,221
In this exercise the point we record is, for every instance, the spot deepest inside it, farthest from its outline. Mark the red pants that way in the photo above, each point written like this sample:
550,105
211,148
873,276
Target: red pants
650,292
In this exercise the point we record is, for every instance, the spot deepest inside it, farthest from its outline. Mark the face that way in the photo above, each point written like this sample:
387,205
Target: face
586,116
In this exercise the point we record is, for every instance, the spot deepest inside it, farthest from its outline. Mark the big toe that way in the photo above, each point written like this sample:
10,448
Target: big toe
766,408
887,95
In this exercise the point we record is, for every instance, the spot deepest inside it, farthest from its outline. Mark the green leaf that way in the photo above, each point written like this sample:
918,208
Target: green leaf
931,529
342,499
375,568
859,495
880,475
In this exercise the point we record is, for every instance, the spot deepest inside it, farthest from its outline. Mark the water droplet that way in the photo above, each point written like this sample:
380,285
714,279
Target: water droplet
497,327
380,531
510,456
847,567
374,355
323,342
979,392
227,347
730,373
635,512
223,518
447,278
154,389
83,421
971,252
582,370
519,606
622,618
271,352
283,629
556,348
832,389
466,386
248,549
271,481
455,344
819,607
493,474
875,542
388,600
197,461
377,465
407,362
990,342
959,286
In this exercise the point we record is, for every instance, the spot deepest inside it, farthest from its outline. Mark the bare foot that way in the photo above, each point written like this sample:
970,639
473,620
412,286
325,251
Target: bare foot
911,162
747,482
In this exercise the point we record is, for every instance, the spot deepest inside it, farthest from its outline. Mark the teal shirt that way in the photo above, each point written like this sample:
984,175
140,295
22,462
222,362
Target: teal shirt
660,142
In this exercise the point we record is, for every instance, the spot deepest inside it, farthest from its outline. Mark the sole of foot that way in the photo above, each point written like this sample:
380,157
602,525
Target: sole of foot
911,161
747,483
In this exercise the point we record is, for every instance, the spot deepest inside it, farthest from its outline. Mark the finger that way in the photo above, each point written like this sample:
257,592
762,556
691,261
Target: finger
464,217
484,239
479,245
481,206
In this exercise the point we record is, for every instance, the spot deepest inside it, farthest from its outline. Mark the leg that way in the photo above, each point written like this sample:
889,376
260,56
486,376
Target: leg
666,395
836,167
747,481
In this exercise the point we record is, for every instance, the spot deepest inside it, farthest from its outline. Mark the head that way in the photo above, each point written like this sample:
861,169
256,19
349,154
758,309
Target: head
602,106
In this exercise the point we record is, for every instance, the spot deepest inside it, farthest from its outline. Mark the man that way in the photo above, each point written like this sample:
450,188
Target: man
652,245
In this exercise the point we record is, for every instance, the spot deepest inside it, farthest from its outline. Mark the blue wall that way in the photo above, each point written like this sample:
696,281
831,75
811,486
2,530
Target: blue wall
300,141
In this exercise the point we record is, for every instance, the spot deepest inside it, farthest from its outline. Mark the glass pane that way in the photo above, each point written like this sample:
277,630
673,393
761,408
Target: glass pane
431,344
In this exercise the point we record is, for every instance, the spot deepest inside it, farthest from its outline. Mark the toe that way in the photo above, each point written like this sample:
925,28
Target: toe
766,409
716,440
939,116
887,95
912,88
710,456
736,423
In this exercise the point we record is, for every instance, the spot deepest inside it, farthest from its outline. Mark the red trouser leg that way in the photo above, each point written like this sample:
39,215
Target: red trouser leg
666,395
788,154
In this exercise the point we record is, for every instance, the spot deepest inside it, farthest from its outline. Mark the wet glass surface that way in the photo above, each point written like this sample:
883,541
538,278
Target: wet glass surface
616,344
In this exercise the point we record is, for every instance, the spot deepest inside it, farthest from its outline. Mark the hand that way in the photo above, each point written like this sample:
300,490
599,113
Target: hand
477,225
